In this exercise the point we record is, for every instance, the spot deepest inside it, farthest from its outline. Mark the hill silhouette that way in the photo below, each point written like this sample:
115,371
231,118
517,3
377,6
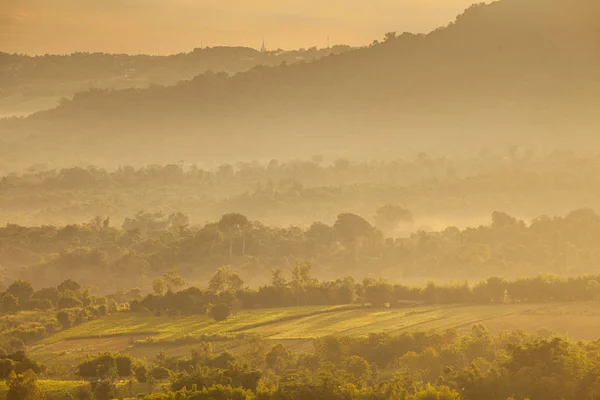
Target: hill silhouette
498,72
34,83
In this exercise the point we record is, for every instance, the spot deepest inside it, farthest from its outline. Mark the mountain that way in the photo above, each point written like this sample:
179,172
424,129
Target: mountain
505,72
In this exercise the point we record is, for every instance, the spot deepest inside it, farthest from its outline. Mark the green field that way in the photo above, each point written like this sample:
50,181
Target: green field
297,326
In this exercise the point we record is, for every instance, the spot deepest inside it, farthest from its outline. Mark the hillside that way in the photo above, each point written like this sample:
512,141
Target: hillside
33,83
499,70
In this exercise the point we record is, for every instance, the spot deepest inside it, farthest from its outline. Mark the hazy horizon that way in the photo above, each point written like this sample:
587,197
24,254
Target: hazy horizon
151,27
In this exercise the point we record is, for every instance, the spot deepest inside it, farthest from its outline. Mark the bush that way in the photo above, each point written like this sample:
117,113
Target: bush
220,312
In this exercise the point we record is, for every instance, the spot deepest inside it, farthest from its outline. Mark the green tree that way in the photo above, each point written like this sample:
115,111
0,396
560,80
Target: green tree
225,280
7,366
220,312
24,387
279,358
22,290
234,224
10,303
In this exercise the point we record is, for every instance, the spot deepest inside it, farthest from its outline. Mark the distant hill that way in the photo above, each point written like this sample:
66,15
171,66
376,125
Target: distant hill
508,71
33,83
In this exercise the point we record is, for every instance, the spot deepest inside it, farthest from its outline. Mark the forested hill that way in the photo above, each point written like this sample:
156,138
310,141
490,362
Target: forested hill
34,83
512,64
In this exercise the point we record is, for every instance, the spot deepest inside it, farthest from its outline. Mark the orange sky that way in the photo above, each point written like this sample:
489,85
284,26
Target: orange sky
171,26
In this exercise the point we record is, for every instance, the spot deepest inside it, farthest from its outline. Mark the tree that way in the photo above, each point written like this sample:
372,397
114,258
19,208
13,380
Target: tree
158,285
225,280
389,36
277,279
140,372
67,301
7,366
9,302
233,224
593,288
358,368
24,387
301,280
173,281
69,284
220,312
22,290
350,228
279,358
160,373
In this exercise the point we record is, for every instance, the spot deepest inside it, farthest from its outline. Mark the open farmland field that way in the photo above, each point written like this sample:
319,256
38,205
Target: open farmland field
297,326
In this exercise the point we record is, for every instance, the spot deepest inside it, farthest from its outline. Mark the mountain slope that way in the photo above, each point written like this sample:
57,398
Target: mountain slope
507,69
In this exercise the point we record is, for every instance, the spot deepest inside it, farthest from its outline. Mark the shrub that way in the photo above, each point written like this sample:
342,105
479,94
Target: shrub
220,312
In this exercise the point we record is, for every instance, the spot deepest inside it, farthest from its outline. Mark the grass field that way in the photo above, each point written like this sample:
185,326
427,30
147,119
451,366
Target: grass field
297,326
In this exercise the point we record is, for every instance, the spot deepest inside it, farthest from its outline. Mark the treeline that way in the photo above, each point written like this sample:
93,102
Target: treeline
100,67
409,366
226,293
148,245
318,171
300,192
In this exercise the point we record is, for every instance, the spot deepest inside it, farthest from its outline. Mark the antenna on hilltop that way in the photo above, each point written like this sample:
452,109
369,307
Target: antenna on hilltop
328,42
263,49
